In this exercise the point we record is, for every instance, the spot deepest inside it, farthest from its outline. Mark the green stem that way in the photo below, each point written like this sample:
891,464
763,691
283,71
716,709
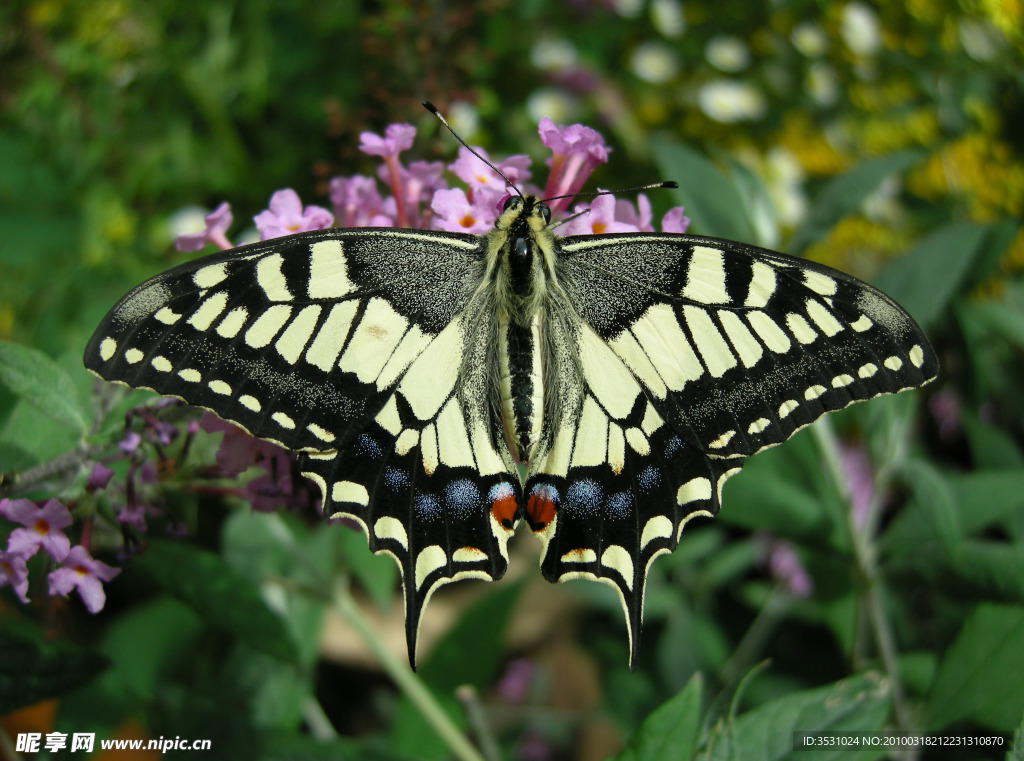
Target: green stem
404,677
865,557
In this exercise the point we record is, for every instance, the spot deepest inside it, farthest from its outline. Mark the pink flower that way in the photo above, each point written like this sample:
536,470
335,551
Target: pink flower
217,223
238,450
578,150
859,479
14,573
134,516
476,173
357,203
674,221
99,478
600,219
455,212
80,571
286,216
397,138
785,566
43,528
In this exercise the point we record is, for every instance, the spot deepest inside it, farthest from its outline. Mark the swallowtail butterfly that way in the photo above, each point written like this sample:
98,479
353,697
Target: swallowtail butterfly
414,371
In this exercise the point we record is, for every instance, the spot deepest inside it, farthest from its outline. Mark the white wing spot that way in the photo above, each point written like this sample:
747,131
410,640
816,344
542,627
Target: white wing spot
693,491
863,323
823,318
160,363
638,441
819,283
133,356
468,555
722,440
705,276
759,425
350,491
250,402
210,275
842,380
803,332
209,311
167,316
386,527
580,555
321,433
665,347
406,441
747,347
295,337
868,370
328,273
267,325
429,560
283,420
814,392
762,285
326,347
617,558
787,406
894,363
271,279
658,527
108,348
713,348
916,356
190,374
233,322
769,331
219,387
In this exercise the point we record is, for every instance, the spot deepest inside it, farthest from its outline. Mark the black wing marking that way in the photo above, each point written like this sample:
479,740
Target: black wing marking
692,354
297,340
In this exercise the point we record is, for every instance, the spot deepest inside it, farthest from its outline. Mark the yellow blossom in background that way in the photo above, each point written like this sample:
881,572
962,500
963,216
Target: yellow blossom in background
857,244
813,150
980,172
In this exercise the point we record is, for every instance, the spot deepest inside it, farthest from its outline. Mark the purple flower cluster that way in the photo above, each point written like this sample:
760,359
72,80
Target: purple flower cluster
43,527
421,198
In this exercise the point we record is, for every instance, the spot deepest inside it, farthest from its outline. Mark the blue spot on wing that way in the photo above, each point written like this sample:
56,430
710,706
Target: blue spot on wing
584,497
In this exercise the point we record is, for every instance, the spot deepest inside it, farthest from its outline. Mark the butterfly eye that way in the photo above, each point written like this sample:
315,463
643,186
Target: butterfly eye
510,202
544,212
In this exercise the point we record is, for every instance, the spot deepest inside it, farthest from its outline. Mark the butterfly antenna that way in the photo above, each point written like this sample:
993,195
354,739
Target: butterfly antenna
433,109
655,186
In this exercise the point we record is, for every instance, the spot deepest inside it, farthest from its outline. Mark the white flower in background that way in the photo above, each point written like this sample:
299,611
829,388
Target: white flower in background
187,220
628,8
464,118
667,17
979,40
729,101
553,103
822,83
654,62
785,179
859,29
728,53
554,54
809,39
883,204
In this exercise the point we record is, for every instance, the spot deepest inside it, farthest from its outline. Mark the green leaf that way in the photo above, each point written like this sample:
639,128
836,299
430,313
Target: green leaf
671,731
926,278
709,197
1016,751
979,678
32,670
857,704
933,496
845,193
980,570
985,497
375,573
43,383
223,598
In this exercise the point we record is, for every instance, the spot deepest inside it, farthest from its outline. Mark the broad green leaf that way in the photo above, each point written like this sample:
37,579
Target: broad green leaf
858,704
985,497
845,193
991,447
980,674
671,731
709,197
933,496
377,574
928,276
32,670
1004,319
43,383
223,598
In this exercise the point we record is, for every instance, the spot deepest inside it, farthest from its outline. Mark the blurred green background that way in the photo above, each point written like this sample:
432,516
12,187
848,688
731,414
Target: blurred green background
880,138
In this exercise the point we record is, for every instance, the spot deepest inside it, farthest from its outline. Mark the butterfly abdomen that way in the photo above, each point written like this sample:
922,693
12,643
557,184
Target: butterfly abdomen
522,390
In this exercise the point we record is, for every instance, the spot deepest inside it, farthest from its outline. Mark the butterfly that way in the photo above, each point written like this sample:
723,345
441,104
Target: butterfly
440,387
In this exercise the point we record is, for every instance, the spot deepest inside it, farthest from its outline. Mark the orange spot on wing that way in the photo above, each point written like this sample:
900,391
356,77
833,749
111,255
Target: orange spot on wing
504,511
540,510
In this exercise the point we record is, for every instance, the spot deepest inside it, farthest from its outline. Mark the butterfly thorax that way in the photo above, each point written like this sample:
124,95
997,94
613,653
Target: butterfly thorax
520,259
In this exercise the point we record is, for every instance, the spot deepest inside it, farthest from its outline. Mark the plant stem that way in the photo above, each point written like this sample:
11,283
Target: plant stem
404,677
862,540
